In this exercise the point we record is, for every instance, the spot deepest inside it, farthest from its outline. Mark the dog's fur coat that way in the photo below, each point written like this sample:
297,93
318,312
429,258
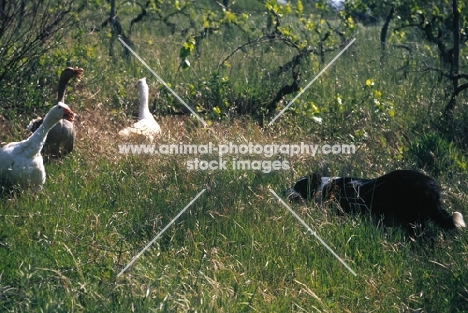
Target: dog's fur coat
402,197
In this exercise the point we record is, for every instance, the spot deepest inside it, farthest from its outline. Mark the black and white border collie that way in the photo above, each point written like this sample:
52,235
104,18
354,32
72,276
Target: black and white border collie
402,197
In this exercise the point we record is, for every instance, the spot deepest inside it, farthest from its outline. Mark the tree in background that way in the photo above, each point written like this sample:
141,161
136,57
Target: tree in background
441,23
28,30
310,30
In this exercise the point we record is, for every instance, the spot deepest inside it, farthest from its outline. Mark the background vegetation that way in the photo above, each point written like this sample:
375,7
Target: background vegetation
237,63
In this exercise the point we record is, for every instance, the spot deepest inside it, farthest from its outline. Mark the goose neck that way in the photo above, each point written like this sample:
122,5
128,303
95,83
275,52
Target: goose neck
144,110
63,81
41,133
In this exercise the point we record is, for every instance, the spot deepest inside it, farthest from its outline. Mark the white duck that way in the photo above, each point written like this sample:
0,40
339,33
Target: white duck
146,125
61,137
21,162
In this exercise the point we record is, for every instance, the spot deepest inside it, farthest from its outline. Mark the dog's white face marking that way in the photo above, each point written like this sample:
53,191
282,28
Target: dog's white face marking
323,185
325,181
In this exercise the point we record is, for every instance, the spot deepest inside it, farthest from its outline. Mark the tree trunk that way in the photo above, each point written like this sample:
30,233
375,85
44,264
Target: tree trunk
112,16
383,35
448,112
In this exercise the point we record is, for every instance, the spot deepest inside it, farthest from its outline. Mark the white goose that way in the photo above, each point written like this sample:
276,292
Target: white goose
21,162
146,125
61,137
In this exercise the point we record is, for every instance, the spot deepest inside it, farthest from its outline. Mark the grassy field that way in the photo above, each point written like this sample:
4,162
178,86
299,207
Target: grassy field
237,248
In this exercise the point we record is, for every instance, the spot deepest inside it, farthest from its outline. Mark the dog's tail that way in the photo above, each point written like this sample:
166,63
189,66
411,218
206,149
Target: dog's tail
458,221
446,220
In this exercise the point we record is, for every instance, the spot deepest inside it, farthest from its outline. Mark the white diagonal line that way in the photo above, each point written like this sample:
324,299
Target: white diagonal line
312,81
161,232
314,233
164,83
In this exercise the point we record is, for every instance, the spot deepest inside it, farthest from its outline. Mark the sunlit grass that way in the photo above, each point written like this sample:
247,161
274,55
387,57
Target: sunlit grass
235,249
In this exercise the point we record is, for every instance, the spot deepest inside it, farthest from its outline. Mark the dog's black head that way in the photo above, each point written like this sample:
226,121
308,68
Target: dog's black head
304,188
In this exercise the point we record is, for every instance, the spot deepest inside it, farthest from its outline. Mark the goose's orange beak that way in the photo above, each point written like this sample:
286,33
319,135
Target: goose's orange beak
68,115
78,72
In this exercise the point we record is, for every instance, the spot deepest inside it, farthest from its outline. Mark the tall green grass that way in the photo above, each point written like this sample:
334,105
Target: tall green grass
235,249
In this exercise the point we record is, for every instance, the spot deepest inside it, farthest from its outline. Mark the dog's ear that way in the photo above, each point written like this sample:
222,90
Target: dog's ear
315,180
301,186
307,186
